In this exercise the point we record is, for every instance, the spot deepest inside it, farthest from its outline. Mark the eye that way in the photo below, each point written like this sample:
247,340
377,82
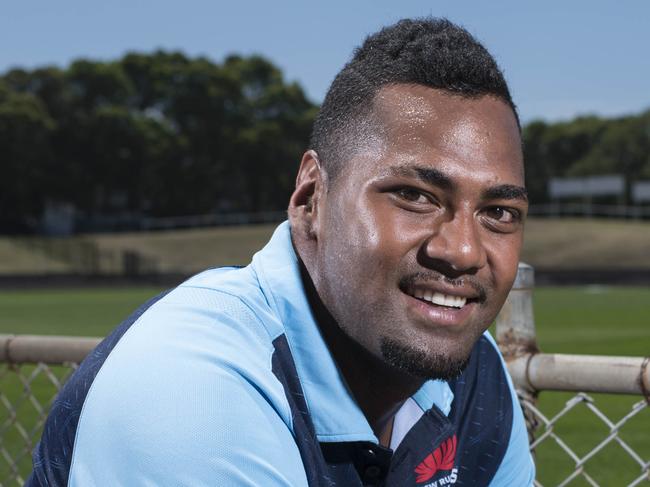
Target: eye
503,215
413,195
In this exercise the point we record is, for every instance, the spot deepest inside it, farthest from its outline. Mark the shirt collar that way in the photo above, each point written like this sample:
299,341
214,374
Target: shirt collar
335,414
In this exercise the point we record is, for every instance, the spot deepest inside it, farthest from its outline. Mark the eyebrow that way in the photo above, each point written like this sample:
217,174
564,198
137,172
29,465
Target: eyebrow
505,192
426,174
437,178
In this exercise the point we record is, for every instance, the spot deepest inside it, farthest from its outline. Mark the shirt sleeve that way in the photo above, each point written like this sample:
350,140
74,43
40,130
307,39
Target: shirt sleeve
184,400
517,467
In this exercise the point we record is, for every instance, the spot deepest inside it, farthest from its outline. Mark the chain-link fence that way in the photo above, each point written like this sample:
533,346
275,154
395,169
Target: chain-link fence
613,456
32,370
588,416
587,435
26,394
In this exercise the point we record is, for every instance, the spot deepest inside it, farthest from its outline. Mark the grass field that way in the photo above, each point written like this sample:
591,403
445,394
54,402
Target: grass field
593,320
601,321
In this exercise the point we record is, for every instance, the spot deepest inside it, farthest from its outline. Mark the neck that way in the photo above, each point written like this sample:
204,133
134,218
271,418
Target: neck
378,388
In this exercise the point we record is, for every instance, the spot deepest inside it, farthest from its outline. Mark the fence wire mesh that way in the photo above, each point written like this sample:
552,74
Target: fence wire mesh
26,394
579,439
591,440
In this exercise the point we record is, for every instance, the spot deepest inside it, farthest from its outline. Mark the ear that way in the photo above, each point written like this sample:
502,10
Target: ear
308,195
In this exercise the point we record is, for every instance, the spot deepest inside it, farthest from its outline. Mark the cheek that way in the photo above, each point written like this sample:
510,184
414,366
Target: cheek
385,238
356,229
371,236
503,258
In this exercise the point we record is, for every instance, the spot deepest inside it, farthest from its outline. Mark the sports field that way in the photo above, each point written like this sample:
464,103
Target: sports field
590,320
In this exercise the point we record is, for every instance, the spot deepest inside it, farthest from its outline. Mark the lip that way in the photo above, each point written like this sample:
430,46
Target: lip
435,315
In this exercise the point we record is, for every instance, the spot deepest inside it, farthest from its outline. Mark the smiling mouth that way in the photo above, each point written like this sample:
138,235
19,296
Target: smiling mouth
440,299
437,304
456,299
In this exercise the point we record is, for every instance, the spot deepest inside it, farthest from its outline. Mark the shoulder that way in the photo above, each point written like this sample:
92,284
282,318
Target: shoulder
193,331
187,394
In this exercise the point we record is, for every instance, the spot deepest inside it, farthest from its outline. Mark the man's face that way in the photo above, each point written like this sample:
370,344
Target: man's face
418,237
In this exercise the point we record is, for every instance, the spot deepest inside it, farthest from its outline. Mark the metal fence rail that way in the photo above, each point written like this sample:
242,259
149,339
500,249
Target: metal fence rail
534,372
587,373
33,369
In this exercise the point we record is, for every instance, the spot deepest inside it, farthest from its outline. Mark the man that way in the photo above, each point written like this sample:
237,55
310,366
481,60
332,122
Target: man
351,351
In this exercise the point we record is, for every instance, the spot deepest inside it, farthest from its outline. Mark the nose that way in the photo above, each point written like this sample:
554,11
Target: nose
457,244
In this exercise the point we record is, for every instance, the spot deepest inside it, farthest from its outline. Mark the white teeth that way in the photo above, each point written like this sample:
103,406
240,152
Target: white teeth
452,301
440,299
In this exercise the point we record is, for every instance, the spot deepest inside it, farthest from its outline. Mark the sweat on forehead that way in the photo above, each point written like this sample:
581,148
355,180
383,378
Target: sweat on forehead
416,109
406,120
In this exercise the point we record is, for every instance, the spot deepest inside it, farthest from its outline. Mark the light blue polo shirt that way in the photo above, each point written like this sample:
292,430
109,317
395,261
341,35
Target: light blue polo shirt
187,395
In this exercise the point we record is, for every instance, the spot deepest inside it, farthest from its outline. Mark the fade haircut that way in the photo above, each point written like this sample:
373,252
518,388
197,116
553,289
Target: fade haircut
429,52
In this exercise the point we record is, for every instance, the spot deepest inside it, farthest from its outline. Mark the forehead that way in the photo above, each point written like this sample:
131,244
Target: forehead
424,125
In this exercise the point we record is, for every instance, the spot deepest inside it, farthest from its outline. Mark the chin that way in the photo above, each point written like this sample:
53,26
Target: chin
422,364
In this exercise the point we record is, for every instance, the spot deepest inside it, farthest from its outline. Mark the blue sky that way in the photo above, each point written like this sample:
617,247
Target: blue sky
561,58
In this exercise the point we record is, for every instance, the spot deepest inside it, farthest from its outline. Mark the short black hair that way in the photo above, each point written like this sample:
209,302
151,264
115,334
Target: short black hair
432,52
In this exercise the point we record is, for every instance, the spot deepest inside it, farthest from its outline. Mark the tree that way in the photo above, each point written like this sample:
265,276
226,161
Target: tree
165,134
623,148
25,136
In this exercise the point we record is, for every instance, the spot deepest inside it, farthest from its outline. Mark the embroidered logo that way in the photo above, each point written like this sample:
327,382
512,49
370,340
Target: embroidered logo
442,458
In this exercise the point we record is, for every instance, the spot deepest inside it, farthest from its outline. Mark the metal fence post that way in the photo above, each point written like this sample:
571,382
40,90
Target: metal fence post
515,331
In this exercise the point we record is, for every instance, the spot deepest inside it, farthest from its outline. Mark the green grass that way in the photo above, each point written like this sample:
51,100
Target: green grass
593,320
599,321
85,312
587,320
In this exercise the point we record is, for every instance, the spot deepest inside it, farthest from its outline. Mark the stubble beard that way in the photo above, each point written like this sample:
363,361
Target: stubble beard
418,363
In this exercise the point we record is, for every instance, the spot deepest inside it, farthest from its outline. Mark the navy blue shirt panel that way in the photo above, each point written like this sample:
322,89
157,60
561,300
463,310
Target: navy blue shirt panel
483,415
480,421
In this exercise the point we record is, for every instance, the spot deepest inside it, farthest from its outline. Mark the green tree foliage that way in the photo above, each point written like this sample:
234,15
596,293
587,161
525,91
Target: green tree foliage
25,152
586,146
158,134
164,134
623,148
